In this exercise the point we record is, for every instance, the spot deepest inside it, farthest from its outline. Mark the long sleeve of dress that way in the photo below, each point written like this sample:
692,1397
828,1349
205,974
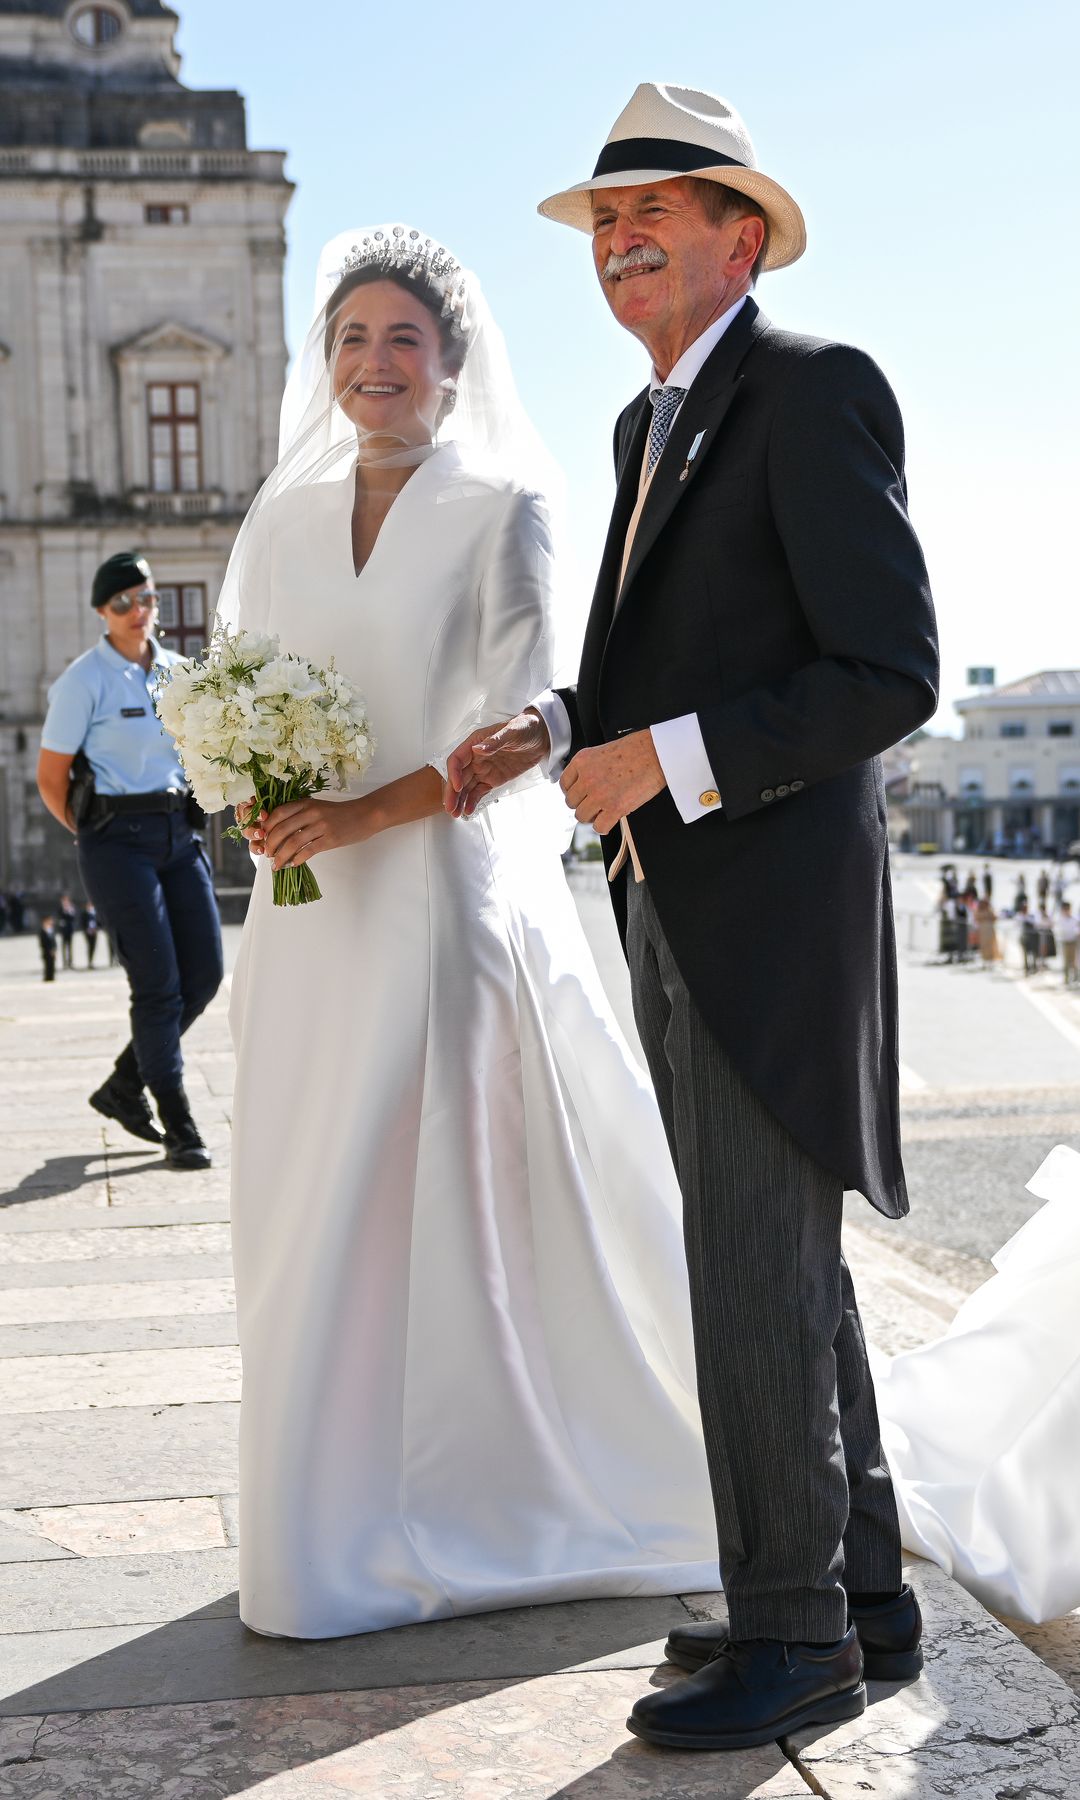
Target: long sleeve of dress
513,629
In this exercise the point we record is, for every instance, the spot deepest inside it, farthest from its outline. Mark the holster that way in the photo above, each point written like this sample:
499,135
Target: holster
81,790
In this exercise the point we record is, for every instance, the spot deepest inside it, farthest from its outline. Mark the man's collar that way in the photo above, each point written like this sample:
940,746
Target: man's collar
694,358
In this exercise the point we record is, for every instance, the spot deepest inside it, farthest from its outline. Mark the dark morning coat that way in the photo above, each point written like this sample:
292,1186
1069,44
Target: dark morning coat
779,592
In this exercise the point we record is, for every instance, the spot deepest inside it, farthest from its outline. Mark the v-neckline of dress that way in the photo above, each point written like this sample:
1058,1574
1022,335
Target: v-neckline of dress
350,487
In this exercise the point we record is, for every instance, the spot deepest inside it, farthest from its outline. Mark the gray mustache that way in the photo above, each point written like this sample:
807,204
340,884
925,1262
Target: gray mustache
642,256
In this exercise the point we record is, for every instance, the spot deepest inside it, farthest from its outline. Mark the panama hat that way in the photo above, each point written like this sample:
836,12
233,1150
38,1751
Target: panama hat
666,132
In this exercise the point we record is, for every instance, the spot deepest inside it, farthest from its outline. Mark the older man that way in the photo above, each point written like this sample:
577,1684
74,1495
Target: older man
762,628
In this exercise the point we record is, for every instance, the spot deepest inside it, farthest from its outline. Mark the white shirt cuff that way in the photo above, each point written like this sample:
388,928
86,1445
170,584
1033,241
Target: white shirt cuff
680,749
557,720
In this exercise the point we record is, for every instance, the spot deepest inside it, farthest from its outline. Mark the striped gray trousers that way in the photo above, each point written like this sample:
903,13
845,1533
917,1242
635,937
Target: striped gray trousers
803,1496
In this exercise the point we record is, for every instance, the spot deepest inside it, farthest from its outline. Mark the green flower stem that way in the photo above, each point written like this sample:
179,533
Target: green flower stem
293,886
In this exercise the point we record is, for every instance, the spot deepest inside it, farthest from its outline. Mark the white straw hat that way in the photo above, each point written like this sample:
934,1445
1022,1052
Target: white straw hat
670,131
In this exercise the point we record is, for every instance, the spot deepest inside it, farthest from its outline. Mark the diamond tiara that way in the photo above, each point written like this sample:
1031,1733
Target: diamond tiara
408,253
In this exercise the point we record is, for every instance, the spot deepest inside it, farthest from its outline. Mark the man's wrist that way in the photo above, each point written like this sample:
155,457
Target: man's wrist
544,735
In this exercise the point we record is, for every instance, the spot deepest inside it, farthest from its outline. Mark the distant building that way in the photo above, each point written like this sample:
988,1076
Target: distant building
142,349
1012,781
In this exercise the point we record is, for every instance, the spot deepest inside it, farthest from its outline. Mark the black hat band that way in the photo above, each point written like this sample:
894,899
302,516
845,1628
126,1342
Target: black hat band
660,153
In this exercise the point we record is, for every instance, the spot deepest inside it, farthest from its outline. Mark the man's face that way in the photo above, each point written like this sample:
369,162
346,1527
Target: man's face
662,262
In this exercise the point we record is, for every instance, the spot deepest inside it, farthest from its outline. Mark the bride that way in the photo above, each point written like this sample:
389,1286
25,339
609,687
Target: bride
467,1367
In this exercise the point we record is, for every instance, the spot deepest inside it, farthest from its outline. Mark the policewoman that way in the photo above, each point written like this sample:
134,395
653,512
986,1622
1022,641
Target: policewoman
127,801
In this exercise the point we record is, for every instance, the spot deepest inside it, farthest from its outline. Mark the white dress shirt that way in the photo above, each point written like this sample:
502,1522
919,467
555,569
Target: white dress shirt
679,745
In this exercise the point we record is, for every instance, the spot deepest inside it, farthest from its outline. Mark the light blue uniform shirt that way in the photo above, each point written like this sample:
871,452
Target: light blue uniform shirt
104,704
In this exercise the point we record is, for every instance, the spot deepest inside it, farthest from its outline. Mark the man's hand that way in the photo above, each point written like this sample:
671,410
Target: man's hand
604,784
491,757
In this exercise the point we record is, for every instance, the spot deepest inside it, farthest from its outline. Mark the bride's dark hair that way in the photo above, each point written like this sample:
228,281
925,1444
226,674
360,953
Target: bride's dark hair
428,293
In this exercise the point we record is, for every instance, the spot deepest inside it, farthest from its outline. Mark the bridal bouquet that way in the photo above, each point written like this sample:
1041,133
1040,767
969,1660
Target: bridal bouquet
251,723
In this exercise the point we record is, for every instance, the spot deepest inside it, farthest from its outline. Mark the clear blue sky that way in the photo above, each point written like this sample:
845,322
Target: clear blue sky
933,149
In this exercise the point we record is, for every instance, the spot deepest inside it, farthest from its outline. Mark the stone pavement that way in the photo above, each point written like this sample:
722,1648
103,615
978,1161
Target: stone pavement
126,1671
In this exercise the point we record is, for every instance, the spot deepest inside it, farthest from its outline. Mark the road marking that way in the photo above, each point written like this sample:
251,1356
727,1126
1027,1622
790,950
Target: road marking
909,1081
1043,1004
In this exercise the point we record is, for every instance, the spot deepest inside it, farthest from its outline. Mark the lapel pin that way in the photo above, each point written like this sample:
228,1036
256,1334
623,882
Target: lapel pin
691,453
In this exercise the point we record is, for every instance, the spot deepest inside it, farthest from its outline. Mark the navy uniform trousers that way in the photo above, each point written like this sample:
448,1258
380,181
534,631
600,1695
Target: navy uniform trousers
149,878
804,1501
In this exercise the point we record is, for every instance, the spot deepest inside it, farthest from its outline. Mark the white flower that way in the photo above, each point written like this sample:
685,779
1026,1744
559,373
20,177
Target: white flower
246,712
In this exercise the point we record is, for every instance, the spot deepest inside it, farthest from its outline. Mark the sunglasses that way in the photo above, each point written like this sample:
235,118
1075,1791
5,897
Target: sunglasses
123,603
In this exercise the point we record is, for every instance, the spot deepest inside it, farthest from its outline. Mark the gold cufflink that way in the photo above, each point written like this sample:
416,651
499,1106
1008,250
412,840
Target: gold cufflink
709,798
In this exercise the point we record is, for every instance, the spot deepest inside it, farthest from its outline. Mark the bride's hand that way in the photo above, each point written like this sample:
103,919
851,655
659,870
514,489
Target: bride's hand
294,833
491,757
250,826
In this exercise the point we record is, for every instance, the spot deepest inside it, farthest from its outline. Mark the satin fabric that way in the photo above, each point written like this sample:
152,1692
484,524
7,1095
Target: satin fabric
462,1299
982,1428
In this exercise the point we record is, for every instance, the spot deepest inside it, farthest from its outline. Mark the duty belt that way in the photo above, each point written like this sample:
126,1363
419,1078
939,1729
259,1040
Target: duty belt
169,800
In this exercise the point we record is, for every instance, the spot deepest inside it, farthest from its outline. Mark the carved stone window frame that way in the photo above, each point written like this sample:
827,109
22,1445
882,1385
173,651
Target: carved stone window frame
174,354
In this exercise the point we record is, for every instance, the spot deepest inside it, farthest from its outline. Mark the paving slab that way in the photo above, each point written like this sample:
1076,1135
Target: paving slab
1057,1644
37,1384
130,1527
126,1453
122,1269
61,1215
85,1591
65,1176
210,1655
988,1720
115,1300
505,1740
93,1244
93,1336
18,1544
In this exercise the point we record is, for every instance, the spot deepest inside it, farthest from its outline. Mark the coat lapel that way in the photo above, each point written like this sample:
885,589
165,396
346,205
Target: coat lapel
701,416
626,494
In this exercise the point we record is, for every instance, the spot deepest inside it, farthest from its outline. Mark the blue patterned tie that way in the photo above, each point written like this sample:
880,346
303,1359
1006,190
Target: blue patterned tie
666,402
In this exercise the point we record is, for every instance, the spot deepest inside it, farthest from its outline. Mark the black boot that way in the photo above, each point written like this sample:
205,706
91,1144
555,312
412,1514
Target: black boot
184,1148
122,1098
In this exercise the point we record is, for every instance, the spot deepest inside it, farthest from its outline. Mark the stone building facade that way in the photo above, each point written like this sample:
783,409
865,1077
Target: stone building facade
1012,782
142,352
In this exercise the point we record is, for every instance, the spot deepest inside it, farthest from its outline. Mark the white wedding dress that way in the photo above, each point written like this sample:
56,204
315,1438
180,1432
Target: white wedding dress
467,1365
982,1428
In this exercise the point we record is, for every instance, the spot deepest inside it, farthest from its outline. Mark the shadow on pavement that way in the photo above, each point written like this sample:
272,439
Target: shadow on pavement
61,1175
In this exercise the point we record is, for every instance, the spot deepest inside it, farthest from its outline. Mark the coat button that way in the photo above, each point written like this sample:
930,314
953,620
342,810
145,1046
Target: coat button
797,787
768,794
782,790
709,798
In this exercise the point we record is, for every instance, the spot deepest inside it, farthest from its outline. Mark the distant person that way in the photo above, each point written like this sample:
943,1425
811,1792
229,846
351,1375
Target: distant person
1047,946
66,921
987,882
1068,931
1029,940
1020,900
90,932
1042,889
47,945
987,933
143,868
16,911
971,888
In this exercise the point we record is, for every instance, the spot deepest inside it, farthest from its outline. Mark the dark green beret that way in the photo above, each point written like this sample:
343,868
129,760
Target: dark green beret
124,570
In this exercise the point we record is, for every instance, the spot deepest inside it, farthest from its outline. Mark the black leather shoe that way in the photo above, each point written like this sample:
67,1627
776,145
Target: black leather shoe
184,1148
753,1692
890,1636
129,1107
